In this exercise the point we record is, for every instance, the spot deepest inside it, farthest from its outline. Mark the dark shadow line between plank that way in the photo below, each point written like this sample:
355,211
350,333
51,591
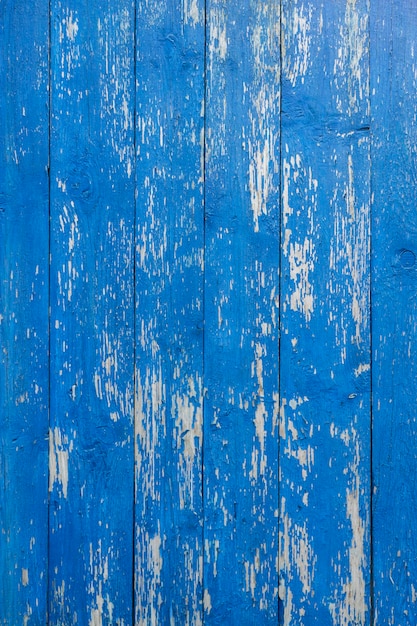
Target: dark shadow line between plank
134,329
280,257
203,397
49,394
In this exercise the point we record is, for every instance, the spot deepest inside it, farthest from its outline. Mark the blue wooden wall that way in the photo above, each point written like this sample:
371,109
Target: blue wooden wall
208,312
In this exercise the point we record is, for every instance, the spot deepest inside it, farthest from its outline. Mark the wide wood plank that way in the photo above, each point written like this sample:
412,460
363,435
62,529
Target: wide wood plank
394,308
241,312
23,311
169,312
92,368
325,330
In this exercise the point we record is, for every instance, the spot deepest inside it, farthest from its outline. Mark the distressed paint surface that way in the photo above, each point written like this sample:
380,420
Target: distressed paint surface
186,338
169,312
91,323
241,313
325,351
394,140
23,312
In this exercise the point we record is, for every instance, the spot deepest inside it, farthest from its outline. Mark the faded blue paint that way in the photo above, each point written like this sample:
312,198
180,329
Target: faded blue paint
394,140
91,324
169,312
23,312
241,313
208,274
325,332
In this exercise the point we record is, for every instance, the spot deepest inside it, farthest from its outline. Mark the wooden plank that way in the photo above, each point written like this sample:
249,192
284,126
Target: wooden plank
325,341
92,365
394,139
23,311
169,312
241,314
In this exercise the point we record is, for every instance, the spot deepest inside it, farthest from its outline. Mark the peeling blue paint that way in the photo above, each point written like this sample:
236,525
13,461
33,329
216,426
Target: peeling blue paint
207,312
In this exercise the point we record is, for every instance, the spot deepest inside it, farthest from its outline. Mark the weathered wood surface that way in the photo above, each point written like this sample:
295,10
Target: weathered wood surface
325,331
394,310
169,312
241,313
92,313
24,235
189,332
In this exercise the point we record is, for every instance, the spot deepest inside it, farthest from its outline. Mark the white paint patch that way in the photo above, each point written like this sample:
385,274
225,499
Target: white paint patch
301,254
150,426
301,258
297,38
296,559
218,38
71,26
350,255
118,401
59,449
361,369
149,562
265,98
259,181
191,12
207,602
101,609
352,607
188,413
259,460
349,66
25,577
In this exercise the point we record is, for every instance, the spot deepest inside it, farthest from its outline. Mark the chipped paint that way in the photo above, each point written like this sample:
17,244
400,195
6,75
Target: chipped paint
301,254
91,291
325,403
59,449
352,607
187,152
188,412
297,558
25,577
71,26
349,66
296,42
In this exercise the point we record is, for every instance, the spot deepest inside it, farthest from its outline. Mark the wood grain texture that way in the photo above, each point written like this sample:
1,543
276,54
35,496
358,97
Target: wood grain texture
394,310
241,313
169,312
192,314
23,312
92,368
325,332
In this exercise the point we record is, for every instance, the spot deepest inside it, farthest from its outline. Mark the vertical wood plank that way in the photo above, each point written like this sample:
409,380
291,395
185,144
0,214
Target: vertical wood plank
394,140
169,312
23,311
92,367
325,345
241,314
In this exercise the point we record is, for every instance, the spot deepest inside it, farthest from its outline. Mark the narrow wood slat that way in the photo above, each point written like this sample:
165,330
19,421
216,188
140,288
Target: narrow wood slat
169,312
325,330
92,205
394,228
241,312
23,311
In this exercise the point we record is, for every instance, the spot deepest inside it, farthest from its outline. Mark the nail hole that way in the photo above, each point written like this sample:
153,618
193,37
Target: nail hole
407,258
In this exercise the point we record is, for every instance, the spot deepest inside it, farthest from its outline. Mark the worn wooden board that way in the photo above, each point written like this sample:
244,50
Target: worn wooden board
394,310
92,367
198,267
325,349
23,312
241,315
169,312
